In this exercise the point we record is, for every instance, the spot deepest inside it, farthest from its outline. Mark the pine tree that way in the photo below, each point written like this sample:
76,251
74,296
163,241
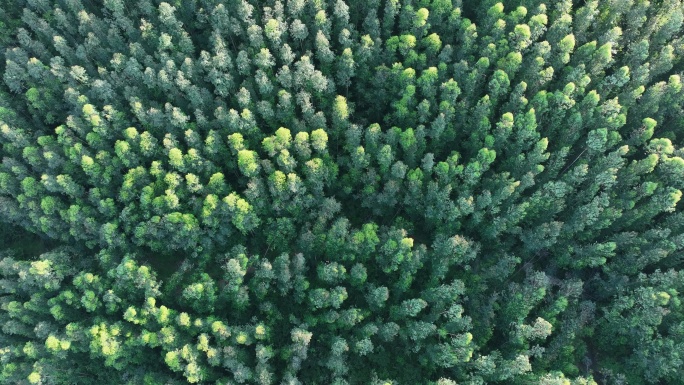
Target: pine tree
420,192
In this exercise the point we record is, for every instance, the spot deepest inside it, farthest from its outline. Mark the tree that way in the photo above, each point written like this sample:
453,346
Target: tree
381,192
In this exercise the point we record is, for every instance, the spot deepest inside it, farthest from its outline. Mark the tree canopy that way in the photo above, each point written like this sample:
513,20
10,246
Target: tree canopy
385,192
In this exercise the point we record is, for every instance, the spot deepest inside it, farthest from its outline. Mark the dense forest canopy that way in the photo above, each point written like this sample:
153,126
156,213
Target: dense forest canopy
302,192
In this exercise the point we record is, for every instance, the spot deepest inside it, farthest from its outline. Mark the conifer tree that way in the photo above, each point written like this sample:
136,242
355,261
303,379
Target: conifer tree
378,192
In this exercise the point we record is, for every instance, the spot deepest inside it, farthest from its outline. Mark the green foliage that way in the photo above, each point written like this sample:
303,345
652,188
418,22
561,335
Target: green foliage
379,192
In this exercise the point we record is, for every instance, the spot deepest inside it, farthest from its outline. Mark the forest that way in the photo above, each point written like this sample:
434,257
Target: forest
341,192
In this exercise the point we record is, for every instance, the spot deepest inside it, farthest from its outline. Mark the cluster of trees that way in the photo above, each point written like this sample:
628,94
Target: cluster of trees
381,192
